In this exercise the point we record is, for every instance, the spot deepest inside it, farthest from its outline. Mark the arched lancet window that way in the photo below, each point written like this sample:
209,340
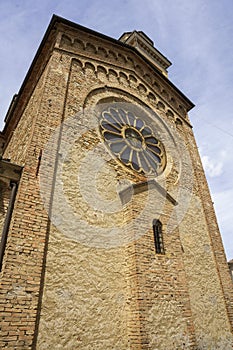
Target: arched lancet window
158,237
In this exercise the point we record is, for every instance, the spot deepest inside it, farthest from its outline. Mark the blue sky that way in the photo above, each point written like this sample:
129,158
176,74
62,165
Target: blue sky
195,35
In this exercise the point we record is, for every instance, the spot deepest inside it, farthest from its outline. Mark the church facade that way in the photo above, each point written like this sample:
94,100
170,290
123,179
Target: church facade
109,236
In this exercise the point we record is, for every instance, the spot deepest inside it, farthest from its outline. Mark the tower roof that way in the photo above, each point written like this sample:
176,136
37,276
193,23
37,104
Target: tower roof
145,46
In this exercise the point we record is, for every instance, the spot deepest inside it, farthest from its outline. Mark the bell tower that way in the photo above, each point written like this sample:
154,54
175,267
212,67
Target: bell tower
112,240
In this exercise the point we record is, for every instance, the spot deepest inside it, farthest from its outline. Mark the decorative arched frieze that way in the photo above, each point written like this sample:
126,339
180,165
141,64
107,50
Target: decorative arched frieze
78,45
102,52
161,106
102,73
133,81
117,77
170,114
66,41
165,94
123,79
90,48
156,86
107,91
112,55
151,97
147,78
113,76
181,109
142,89
79,65
89,68
173,102
178,122
139,70
130,62
121,58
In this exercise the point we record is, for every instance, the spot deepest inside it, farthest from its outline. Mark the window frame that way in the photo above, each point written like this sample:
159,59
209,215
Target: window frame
158,236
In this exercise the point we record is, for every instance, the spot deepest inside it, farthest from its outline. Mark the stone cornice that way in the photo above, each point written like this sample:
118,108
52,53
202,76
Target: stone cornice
9,171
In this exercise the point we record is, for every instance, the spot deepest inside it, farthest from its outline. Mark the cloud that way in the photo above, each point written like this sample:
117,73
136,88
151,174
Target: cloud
223,204
212,168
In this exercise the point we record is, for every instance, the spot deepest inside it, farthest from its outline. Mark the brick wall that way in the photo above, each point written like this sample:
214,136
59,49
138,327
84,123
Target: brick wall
89,277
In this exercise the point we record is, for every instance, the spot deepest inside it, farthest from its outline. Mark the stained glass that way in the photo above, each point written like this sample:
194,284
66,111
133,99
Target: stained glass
132,141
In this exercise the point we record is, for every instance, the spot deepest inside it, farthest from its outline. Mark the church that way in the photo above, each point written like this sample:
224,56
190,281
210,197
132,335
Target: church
109,238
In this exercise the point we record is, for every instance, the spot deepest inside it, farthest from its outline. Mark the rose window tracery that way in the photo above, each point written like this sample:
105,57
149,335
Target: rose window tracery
132,141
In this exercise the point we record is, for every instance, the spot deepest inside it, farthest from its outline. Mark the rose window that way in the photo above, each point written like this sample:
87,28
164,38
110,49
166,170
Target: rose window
132,141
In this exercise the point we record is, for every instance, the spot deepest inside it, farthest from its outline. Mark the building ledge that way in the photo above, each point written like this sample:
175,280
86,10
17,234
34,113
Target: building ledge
9,171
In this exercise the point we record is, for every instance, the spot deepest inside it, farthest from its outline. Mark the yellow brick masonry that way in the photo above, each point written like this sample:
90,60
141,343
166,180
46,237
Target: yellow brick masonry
24,257
213,229
57,293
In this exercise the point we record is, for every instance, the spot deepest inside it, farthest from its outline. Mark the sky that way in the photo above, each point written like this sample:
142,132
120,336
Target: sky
195,35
